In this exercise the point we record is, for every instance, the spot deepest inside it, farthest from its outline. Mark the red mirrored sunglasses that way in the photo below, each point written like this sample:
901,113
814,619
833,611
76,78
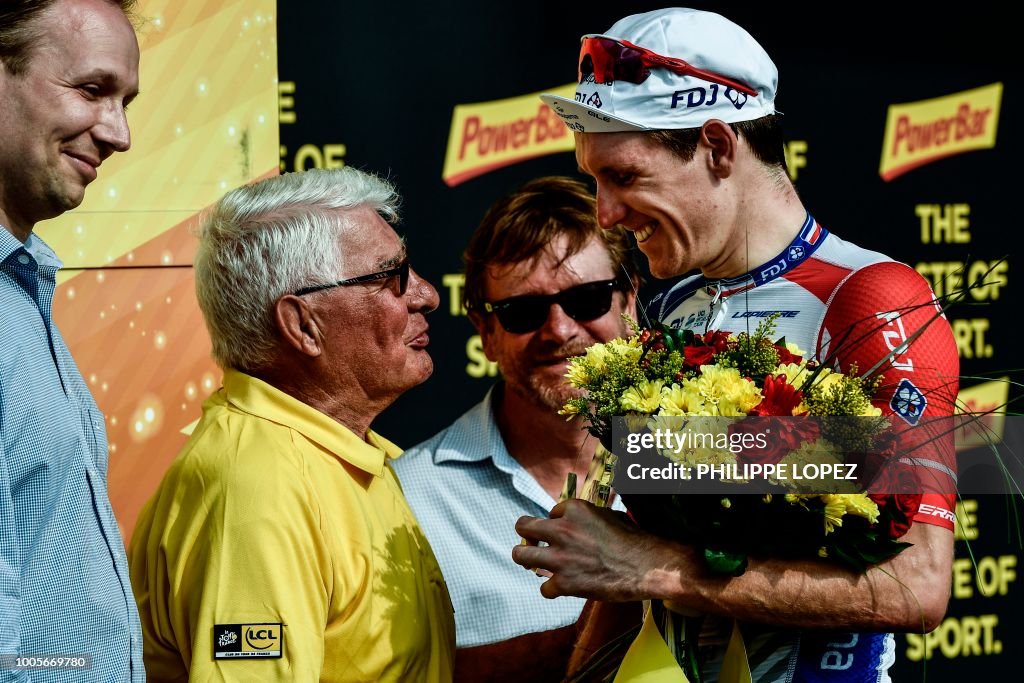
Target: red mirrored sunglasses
620,60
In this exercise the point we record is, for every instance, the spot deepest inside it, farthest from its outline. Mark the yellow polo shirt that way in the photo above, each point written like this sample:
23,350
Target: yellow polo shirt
279,547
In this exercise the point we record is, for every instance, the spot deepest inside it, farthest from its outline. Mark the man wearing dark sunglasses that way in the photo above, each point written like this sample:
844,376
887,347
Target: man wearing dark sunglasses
543,282
675,120
279,545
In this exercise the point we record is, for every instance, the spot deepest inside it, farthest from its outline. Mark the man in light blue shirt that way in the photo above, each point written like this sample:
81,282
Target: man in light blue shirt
543,282
68,68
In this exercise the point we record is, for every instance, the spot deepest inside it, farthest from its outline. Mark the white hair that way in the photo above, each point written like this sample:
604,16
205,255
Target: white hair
271,238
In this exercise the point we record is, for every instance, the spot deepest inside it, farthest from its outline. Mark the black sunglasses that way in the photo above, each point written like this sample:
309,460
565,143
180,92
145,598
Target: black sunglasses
527,313
401,271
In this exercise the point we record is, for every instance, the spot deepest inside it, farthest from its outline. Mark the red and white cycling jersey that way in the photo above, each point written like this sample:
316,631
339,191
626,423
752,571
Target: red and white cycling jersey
845,305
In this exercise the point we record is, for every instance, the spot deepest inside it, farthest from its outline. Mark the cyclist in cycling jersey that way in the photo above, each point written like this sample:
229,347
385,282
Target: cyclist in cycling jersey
674,119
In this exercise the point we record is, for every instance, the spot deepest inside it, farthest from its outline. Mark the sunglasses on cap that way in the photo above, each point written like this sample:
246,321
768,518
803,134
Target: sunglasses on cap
527,313
620,60
401,272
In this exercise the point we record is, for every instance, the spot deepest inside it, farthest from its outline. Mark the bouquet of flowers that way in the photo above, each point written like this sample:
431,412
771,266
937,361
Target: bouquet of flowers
732,388
668,381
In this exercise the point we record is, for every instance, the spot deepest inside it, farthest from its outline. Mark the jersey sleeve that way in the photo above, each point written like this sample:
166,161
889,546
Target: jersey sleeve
886,315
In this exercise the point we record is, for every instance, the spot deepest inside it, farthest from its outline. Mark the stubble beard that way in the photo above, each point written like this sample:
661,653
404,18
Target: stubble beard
540,387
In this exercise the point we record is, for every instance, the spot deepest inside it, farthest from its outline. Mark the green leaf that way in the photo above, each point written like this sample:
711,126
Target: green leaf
725,562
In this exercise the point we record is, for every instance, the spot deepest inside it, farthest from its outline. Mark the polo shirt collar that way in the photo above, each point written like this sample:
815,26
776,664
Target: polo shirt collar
478,423
256,397
478,427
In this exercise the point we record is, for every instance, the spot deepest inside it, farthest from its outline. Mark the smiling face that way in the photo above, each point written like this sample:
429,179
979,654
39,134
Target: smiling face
376,338
65,113
534,363
678,211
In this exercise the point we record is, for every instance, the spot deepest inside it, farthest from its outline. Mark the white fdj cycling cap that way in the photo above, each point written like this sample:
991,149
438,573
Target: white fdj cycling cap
668,69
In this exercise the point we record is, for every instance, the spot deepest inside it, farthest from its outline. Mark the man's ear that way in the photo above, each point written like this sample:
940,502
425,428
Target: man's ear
297,326
721,140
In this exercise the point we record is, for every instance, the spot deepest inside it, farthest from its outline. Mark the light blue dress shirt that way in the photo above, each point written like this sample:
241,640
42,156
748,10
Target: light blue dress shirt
467,492
63,573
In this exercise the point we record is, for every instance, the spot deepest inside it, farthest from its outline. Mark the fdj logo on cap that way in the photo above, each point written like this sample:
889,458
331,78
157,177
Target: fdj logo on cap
698,97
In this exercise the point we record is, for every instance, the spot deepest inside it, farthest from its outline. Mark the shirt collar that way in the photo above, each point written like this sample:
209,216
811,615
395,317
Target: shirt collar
263,400
8,243
479,422
40,250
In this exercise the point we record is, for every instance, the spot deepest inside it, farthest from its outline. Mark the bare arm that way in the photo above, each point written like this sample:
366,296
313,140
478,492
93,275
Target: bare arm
540,657
597,553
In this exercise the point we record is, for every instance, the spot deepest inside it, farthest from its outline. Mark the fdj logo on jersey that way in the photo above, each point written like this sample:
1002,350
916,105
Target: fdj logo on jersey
706,97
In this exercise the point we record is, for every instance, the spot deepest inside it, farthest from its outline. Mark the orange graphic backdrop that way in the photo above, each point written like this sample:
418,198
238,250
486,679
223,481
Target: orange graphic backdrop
204,122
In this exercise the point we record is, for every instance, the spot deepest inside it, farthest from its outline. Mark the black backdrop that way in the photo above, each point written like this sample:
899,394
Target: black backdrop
373,85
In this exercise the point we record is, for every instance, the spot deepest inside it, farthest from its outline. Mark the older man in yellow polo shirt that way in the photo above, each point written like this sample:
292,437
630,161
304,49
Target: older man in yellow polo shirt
279,546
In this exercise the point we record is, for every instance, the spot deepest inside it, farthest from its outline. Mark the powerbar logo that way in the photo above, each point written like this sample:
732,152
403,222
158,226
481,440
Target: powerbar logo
232,641
985,405
489,135
918,133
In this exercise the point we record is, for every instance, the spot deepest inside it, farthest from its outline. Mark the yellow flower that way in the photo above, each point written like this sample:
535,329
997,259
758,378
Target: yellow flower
795,373
570,410
643,398
673,400
795,350
835,508
861,505
634,423
705,442
721,391
597,357
577,373
820,452
839,504
748,398
826,380
627,348
871,411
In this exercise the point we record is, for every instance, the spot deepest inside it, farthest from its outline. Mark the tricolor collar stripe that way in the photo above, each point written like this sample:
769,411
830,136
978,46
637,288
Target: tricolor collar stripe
811,232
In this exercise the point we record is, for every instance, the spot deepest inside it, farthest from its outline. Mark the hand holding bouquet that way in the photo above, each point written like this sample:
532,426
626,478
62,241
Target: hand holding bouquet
726,387
672,381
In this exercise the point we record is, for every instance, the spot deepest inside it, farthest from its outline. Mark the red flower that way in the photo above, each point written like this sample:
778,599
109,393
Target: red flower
780,397
896,491
784,435
896,512
703,349
696,356
785,356
717,340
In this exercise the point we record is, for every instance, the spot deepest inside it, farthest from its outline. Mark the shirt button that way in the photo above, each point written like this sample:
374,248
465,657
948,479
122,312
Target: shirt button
23,259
